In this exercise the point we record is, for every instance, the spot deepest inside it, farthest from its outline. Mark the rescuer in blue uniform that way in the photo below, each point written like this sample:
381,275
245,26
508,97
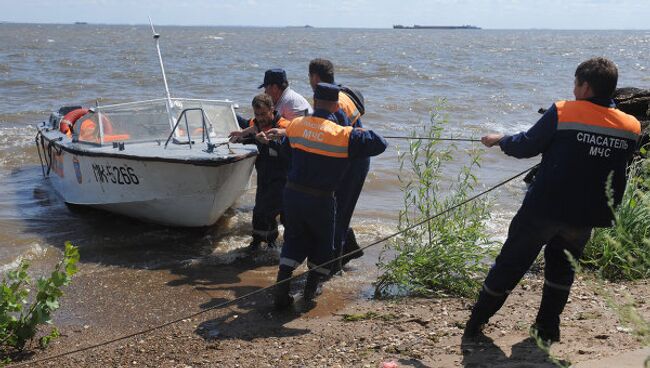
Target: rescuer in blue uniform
352,107
584,144
321,151
271,165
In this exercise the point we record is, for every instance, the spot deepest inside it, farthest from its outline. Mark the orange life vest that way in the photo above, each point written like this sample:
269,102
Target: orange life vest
280,123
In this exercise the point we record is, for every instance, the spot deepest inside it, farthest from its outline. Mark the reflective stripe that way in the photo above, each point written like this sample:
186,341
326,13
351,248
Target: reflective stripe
315,268
317,145
289,262
614,132
347,105
494,293
355,116
556,286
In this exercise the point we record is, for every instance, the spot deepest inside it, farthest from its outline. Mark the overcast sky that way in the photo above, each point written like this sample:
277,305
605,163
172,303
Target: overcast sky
518,14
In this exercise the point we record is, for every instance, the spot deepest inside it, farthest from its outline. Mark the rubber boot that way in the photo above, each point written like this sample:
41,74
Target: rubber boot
270,240
337,266
254,245
282,298
350,245
486,306
547,323
312,286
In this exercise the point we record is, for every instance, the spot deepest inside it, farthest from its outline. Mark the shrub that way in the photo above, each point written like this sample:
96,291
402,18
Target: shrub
446,255
621,251
20,318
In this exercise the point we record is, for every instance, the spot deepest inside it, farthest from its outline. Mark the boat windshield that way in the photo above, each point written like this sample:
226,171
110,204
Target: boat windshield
149,120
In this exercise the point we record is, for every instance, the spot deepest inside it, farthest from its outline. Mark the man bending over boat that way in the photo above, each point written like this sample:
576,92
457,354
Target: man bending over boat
271,166
289,103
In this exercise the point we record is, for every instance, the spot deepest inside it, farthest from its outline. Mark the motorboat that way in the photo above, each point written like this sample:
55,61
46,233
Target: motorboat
167,161
134,164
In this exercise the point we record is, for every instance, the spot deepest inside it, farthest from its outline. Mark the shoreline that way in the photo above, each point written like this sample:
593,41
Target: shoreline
107,302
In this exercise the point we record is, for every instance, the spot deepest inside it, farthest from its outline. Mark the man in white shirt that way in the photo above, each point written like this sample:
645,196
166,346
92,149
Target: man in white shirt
288,103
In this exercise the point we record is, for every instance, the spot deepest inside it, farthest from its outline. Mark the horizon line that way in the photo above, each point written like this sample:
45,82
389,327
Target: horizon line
307,26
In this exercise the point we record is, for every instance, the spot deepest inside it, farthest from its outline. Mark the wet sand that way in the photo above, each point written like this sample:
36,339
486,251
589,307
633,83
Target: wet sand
109,301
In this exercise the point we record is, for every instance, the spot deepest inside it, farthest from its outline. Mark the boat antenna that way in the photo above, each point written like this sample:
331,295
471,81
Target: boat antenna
156,37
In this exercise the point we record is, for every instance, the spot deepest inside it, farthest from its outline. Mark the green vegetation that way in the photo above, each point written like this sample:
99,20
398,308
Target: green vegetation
621,252
20,318
446,255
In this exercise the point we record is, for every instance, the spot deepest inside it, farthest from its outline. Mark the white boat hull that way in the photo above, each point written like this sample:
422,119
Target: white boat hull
160,191
127,158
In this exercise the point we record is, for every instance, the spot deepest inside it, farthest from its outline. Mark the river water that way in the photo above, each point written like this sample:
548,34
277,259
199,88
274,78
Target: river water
493,80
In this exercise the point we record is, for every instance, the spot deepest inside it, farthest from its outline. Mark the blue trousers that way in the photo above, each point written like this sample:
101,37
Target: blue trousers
527,235
347,195
268,205
308,230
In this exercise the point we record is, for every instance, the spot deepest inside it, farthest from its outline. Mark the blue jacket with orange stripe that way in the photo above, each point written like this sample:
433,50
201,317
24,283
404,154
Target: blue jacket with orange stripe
320,147
582,143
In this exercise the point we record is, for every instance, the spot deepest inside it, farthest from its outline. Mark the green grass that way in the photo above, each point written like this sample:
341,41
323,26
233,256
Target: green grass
446,255
622,252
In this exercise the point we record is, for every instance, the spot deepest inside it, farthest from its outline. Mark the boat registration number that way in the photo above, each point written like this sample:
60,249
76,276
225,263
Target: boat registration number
121,175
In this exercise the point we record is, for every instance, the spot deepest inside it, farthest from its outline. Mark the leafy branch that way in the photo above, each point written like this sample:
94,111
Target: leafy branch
19,319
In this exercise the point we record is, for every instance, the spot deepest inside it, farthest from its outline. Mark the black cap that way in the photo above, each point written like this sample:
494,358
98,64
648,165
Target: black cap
327,92
274,76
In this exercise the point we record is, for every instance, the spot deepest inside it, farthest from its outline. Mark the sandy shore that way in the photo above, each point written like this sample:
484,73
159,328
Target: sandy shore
106,302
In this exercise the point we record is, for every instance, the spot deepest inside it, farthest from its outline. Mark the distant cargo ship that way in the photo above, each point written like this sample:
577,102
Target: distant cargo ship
416,26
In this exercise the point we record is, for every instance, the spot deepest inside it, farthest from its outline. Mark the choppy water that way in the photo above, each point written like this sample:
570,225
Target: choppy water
493,80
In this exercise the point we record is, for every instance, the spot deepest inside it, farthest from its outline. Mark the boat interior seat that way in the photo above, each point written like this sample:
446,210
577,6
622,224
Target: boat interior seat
116,137
89,132
195,132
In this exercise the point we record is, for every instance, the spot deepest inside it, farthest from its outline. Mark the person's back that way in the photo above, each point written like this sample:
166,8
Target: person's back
592,143
292,105
316,162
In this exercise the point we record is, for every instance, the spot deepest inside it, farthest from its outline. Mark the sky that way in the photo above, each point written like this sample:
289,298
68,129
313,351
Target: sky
489,14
